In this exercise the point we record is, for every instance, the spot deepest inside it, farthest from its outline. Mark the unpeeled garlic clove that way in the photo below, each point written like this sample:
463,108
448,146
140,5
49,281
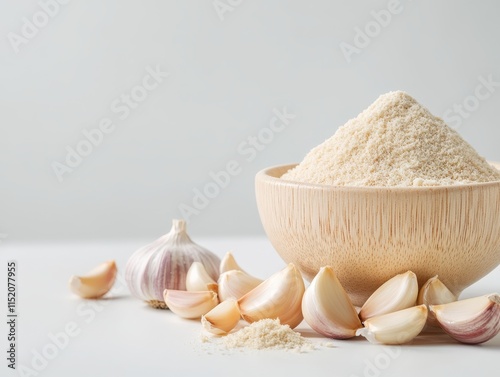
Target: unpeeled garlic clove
223,318
280,296
327,308
472,321
434,292
198,279
397,293
96,283
189,304
228,263
395,328
235,284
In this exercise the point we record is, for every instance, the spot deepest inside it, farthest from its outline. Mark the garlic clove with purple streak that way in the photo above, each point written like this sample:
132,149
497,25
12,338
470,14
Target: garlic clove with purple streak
471,321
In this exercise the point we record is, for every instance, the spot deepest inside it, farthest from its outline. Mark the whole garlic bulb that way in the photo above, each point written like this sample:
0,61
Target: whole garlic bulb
164,264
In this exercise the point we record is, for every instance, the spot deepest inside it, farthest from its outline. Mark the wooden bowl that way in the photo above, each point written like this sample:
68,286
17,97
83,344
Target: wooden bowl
370,234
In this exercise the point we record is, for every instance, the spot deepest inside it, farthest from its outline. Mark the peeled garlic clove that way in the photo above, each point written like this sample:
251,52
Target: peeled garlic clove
96,283
228,263
223,318
475,320
280,297
188,304
235,284
395,328
328,309
434,292
198,279
398,293
164,265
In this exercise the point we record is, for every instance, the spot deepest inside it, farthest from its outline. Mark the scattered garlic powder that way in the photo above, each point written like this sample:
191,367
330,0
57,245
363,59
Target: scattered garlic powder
266,334
394,142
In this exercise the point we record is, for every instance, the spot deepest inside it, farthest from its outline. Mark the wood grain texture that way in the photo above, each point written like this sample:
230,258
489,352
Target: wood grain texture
370,234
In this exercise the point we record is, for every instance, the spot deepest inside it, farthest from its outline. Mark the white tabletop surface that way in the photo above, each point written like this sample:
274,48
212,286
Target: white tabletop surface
120,336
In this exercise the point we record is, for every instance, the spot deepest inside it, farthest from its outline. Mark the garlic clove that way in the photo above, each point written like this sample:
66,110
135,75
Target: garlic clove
164,265
223,318
235,284
327,308
189,304
96,283
280,296
397,293
472,321
395,328
198,279
434,292
228,263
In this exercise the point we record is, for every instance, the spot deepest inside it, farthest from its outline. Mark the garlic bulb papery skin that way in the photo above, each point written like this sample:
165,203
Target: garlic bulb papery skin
164,264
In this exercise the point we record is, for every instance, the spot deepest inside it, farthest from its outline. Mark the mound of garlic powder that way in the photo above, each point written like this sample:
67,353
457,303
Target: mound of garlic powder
394,142
266,334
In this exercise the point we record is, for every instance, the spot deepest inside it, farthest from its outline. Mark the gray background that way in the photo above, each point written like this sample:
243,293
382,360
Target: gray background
226,76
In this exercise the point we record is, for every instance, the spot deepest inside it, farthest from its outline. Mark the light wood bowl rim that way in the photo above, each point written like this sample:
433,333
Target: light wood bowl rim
269,174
